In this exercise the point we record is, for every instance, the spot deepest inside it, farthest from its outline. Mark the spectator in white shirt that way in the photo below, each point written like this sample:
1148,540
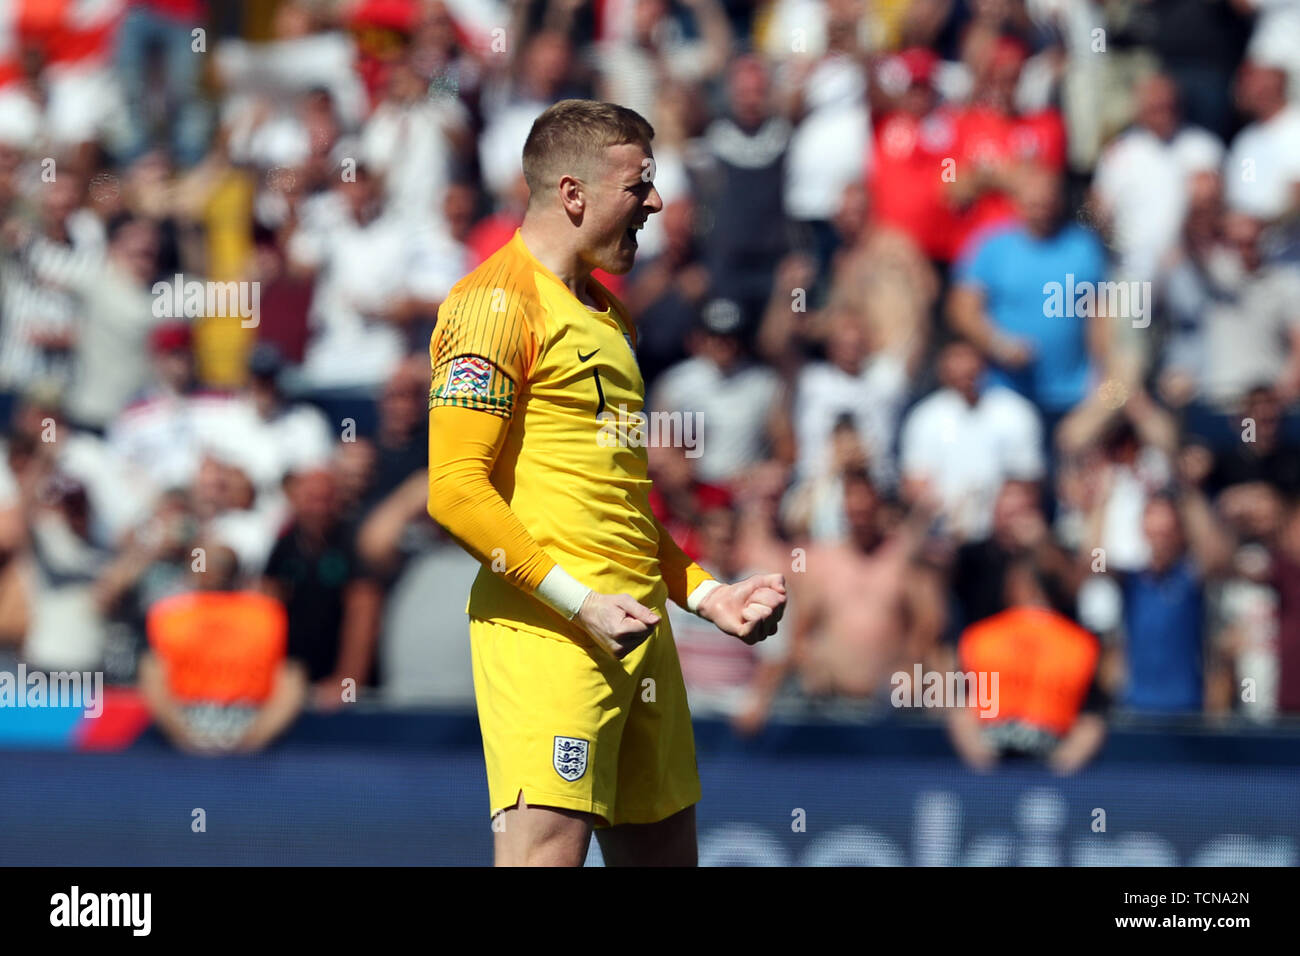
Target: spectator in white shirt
868,386
300,434
1141,185
1238,316
510,107
414,140
965,440
1276,37
156,437
826,97
67,628
367,287
110,355
262,80
731,397
1262,175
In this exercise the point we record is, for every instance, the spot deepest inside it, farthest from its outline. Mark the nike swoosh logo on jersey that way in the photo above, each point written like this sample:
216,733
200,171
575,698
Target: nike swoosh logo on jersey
583,358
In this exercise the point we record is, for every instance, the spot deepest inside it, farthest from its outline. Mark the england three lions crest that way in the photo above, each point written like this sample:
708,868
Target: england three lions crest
570,757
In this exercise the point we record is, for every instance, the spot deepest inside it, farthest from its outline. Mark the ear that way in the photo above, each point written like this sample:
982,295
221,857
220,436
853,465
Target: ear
573,195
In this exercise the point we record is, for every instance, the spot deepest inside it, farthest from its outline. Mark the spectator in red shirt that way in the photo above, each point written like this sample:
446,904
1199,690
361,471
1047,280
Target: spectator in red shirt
911,144
993,140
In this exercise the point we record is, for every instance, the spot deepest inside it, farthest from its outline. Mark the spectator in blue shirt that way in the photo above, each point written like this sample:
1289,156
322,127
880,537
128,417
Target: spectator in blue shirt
1011,288
1164,602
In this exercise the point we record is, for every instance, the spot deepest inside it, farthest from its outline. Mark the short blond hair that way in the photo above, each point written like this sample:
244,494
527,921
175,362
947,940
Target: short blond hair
571,134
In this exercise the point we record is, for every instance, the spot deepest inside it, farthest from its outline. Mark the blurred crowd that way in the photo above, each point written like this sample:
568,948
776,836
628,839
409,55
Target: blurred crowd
990,310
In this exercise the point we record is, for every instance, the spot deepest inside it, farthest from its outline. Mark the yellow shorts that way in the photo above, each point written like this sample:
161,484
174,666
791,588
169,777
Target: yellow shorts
570,726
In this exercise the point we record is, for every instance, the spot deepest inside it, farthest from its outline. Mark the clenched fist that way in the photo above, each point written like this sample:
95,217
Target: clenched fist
749,609
619,623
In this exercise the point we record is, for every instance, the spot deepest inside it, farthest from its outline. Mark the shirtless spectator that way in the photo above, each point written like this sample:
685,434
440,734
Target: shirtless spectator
866,608
1285,578
762,539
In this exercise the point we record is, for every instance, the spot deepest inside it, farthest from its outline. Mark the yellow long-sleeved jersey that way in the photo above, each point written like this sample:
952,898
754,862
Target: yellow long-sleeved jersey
552,474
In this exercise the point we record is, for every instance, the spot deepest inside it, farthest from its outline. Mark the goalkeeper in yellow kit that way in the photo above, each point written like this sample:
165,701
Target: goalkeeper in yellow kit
580,694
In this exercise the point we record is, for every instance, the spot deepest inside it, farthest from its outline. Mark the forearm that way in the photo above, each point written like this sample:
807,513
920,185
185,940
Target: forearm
163,707
1152,423
964,190
1059,563
378,538
1289,379
682,575
520,14
926,613
771,674
968,739
360,631
1101,214
119,577
60,266
1211,545
1094,527
13,531
716,30
966,315
781,435
776,332
1099,335
1080,745
1219,674
279,710
1084,426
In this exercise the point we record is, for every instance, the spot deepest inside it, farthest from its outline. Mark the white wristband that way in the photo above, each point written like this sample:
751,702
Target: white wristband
562,592
702,590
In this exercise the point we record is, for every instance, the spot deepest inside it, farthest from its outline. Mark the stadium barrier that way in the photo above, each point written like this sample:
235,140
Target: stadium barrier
408,788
